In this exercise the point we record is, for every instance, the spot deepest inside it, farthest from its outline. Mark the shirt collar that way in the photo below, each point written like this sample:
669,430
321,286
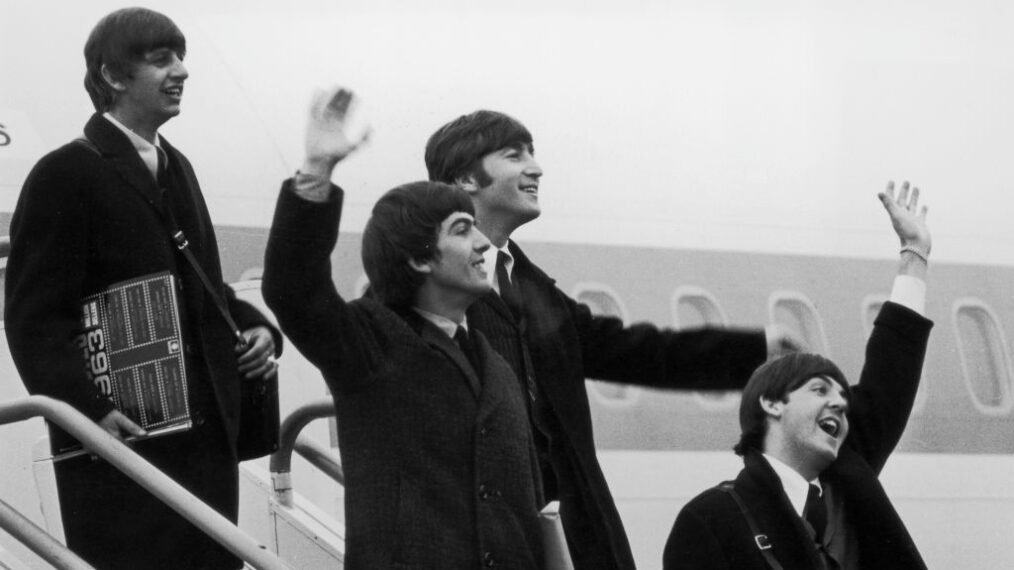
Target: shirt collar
796,488
446,325
490,256
145,149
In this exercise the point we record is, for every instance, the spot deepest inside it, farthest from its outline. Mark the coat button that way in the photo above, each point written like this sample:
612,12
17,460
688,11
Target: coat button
483,493
483,430
488,559
199,419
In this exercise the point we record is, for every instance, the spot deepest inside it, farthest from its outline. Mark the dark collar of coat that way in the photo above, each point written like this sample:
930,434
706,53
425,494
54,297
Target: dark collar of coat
762,491
114,146
438,340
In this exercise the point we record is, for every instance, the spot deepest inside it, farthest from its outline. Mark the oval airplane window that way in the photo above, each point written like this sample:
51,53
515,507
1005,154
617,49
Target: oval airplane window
603,301
797,312
696,307
871,308
985,363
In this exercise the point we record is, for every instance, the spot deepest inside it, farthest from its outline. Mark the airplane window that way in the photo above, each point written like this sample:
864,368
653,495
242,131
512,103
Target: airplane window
871,307
604,301
696,307
797,312
984,359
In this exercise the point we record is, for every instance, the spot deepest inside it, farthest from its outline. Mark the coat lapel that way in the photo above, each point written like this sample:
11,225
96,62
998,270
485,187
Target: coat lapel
436,339
763,492
116,147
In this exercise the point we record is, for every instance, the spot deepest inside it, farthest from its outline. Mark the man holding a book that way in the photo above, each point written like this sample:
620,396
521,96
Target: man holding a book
95,218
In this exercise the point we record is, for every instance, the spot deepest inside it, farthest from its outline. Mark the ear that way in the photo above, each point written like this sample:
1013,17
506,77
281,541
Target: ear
467,182
424,267
116,84
772,408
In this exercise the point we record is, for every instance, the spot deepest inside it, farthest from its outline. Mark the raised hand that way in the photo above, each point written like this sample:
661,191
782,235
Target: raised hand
330,136
907,217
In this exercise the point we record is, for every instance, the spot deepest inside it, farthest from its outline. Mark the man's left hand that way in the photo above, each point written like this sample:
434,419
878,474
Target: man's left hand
258,358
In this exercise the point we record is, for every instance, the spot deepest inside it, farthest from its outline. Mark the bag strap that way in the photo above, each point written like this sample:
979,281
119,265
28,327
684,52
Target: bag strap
182,245
759,538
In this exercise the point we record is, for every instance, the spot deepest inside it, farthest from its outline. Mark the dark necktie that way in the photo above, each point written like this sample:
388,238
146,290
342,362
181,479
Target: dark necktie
465,344
162,168
508,292
815,512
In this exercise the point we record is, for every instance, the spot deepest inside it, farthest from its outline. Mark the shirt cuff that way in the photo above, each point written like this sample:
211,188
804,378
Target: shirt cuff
311,187
910,292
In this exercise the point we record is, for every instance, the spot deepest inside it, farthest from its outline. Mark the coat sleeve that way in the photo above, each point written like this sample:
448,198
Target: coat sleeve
45,281
697,359
692,545
882,401
298,287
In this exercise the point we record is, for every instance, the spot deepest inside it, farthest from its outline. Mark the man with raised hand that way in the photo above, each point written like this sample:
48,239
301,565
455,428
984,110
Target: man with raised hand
440,467
554,343
813,447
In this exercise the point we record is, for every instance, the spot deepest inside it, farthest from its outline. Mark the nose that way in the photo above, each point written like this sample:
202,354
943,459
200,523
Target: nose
532,168
179,70
481,243
838,401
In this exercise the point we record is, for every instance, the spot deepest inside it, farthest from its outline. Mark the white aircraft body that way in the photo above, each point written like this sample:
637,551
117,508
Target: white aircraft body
705,162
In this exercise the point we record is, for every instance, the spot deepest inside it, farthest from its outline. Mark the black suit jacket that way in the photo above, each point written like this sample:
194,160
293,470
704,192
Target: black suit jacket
87,217
439,462
563,344
710,533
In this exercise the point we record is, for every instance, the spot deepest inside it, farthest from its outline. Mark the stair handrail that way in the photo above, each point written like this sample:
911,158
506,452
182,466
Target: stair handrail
99,442
290,439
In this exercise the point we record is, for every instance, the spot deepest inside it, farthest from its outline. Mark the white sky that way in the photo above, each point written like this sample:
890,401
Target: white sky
730,124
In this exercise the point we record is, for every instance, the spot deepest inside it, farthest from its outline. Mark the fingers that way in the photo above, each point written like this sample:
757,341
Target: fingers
267,369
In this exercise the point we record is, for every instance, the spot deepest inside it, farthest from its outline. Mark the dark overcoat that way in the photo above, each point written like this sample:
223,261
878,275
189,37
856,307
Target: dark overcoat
710,532
439,462
89,216
559,344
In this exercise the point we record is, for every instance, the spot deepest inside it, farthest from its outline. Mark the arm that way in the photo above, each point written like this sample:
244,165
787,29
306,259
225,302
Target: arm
692,545
45,280
700,359
882,401
297,281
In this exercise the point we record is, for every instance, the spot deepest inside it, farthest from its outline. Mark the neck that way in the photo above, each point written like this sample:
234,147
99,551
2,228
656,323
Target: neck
808,469
497,228
144,129
448,306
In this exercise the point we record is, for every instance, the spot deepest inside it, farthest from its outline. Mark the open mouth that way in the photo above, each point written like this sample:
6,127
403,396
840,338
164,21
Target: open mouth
533,190
831,426
174,91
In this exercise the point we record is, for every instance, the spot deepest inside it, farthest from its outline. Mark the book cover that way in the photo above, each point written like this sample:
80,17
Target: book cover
133,349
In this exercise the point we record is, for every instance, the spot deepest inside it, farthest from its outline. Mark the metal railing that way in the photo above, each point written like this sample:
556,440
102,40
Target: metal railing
290,439
101,443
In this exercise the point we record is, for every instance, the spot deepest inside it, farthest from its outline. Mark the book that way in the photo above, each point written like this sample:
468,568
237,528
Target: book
133,351
555,542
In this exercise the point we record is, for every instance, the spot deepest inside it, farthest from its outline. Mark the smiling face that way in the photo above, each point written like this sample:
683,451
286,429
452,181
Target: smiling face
150,95
506,191
456,275
807,429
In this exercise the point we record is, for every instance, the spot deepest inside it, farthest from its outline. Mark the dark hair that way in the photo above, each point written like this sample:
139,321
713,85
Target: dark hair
119,41
774,380
457,148
404,225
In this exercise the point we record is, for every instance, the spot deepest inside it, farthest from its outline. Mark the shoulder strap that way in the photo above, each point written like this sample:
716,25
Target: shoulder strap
176,234
760,539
